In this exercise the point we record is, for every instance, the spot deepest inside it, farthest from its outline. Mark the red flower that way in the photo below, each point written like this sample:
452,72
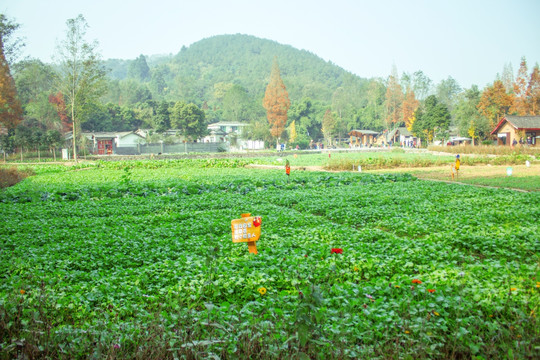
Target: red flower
336,251
305,255
257,221
416,281
431,290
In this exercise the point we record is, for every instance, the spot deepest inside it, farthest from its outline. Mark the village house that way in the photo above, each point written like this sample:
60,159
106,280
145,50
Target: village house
400,135
229,127
109,143
232,133
362,137
513,130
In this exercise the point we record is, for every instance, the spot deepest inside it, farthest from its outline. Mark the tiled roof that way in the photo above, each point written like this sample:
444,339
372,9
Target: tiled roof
524,122
519,122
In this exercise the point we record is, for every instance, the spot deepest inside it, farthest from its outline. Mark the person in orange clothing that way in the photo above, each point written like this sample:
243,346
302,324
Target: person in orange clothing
455,167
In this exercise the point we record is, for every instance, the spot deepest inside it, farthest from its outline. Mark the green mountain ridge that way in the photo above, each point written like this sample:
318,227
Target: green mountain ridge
243,60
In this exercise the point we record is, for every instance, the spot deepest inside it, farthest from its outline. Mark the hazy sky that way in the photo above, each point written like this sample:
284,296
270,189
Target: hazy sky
469,40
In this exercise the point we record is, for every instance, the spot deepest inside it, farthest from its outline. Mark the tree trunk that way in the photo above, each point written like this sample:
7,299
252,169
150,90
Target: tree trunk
54,154
38,154
21,154
74,128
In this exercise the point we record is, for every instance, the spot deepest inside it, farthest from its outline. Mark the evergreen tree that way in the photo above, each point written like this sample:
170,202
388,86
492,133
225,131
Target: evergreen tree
139,70
431,120
34,81
469,120
189,119
236,104
162,121
306,115
328,126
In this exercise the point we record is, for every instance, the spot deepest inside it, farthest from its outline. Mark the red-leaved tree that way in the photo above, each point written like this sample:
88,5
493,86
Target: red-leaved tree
276,102
11,112
60,106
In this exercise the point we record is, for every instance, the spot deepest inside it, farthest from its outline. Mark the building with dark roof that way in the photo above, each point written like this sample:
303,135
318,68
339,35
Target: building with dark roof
518,130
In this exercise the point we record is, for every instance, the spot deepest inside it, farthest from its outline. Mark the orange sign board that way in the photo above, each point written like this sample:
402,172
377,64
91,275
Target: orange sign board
246,229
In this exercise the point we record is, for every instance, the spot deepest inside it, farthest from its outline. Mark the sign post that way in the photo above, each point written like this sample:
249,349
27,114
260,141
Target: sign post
247,229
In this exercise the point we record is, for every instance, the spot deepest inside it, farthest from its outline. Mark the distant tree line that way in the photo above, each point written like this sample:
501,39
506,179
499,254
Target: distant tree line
224,78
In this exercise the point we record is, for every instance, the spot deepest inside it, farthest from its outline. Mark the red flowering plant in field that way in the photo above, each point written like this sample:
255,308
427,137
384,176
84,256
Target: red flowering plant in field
431,290
336,251
416,281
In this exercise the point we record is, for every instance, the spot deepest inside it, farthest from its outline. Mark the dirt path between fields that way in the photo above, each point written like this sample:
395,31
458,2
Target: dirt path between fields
435,173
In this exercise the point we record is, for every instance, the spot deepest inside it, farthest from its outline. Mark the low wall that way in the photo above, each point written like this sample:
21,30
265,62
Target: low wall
183,148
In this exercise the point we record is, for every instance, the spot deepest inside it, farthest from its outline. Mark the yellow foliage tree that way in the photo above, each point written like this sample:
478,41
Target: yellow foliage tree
472,131
292,131
410,104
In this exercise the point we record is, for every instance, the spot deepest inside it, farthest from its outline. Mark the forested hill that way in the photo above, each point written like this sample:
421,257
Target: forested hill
244,60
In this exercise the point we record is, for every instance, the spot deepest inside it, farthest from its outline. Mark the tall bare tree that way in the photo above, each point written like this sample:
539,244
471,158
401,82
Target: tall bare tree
394,99
534,91
81,77
12,45
520,105
507,77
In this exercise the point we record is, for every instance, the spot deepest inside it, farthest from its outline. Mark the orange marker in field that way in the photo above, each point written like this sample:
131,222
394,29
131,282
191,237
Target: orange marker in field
247,229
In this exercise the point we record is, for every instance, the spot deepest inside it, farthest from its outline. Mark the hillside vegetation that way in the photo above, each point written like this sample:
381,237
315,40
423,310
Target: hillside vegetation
243,60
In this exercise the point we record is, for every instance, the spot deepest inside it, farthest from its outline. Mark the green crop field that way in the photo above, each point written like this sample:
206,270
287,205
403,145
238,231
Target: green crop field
135,260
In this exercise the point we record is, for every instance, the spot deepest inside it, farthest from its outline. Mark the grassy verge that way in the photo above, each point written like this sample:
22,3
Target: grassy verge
529,183
384,161
488,150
